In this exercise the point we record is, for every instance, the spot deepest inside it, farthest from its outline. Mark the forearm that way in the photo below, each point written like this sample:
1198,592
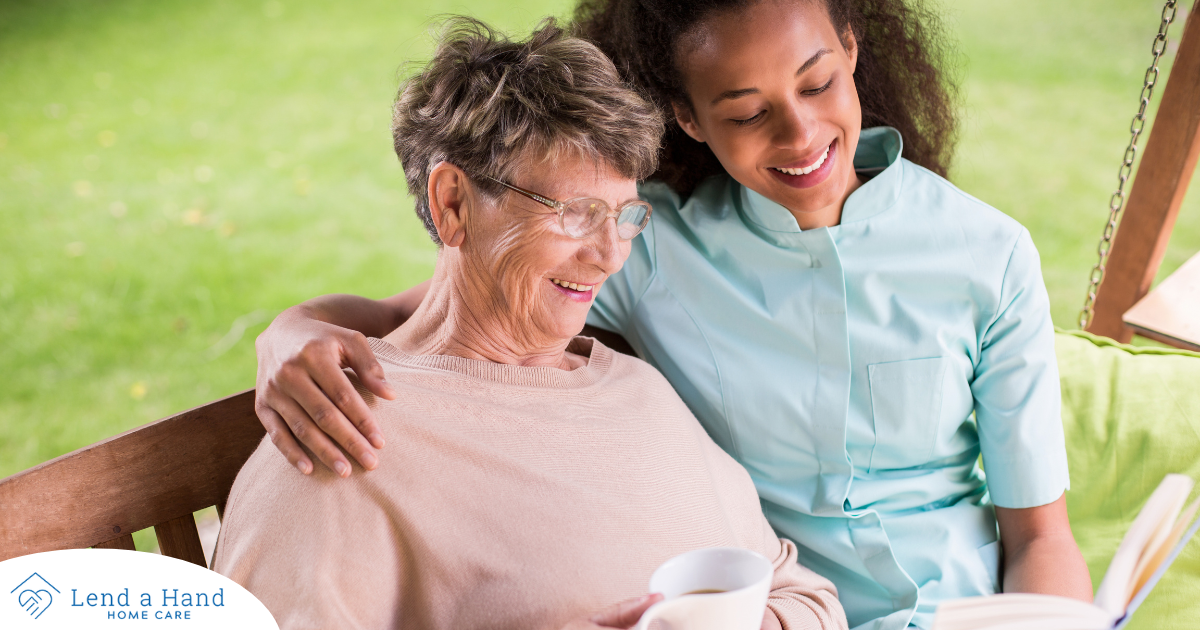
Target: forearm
370,317
373,318
1050,565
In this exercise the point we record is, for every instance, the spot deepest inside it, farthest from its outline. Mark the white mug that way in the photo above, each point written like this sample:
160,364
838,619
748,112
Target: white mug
739,582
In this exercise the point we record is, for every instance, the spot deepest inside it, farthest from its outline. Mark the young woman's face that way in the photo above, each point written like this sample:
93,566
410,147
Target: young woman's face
772,93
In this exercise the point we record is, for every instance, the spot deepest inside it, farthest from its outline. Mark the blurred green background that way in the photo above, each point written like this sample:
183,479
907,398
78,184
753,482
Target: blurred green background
173,174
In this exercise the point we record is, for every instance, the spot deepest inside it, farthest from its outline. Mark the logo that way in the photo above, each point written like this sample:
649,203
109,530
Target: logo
34,595
113,588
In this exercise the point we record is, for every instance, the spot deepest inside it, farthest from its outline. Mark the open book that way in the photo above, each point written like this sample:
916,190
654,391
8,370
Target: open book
1156,537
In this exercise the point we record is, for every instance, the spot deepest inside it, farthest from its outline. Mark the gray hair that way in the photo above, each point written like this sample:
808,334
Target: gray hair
488,105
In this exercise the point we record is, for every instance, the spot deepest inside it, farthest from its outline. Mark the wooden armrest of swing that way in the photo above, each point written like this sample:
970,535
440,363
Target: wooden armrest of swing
1171,312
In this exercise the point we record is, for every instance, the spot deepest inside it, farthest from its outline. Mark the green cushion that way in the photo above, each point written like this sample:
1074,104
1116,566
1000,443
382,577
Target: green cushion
1131,415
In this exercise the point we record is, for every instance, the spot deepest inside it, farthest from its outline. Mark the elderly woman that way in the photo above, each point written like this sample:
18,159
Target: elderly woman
540,476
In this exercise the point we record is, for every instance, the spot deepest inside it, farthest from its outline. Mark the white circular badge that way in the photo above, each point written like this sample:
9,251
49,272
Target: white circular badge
110,588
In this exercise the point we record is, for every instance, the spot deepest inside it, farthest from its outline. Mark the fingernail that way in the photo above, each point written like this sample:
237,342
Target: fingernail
368,460
342,468
376,440
304,467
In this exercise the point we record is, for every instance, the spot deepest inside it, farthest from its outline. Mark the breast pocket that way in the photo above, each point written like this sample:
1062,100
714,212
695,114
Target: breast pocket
906,406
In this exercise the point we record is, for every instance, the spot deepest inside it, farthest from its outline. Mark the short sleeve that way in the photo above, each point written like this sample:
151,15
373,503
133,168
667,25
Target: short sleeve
1016,391
618,298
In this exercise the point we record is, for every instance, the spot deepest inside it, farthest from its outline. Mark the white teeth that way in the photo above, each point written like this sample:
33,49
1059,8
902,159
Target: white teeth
808,169
571,285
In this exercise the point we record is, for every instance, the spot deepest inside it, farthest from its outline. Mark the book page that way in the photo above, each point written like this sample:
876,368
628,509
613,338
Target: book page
1152,525
1166,563
1149,565
1023,611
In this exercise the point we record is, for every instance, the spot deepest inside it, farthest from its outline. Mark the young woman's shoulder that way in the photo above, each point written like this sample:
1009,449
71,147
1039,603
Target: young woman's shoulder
947,205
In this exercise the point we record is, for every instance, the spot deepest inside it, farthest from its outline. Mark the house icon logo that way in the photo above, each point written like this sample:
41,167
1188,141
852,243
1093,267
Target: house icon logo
34,595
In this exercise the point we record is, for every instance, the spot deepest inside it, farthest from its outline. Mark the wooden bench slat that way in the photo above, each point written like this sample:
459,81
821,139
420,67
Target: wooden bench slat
161,471
178,538
121,542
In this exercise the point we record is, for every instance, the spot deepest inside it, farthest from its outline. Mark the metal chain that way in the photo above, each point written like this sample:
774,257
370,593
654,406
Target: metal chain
1117,202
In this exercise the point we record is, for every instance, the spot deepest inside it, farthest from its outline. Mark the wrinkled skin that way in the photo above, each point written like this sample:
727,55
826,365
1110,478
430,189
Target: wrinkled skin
492,297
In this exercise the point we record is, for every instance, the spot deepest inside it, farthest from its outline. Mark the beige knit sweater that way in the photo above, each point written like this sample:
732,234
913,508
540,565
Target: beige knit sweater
507,497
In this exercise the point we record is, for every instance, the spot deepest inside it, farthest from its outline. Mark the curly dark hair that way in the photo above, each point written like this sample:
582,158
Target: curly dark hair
903,74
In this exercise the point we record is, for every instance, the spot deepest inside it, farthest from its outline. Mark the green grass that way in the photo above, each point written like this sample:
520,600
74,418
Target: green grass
171,168
173,172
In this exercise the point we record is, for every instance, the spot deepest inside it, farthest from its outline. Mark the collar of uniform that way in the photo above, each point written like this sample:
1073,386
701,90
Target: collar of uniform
877,157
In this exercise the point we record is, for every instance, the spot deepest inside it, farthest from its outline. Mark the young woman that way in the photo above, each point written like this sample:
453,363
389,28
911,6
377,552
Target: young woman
846,323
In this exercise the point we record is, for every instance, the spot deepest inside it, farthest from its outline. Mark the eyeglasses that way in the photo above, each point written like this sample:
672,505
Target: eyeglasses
581,217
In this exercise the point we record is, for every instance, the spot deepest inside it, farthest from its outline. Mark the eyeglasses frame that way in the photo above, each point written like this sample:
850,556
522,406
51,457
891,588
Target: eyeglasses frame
561,207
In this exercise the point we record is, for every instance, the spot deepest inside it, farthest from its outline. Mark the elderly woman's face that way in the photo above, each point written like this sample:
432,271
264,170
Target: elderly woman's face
543,281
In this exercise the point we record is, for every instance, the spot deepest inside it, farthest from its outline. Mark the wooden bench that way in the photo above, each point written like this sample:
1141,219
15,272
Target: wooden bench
155,476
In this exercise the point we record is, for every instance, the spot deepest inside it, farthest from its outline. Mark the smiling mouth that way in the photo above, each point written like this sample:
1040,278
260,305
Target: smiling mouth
807,169
582,288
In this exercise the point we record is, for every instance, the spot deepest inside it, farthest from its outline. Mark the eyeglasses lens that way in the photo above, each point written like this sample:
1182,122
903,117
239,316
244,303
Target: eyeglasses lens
632,219
583,217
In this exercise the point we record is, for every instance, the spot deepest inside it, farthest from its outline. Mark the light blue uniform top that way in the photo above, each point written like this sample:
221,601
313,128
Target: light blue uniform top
841,367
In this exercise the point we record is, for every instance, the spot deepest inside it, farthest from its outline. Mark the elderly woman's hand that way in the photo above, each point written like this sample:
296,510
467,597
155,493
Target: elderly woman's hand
301,392
623,614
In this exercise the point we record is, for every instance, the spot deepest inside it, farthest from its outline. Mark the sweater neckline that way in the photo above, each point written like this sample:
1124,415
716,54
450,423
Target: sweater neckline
598,357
